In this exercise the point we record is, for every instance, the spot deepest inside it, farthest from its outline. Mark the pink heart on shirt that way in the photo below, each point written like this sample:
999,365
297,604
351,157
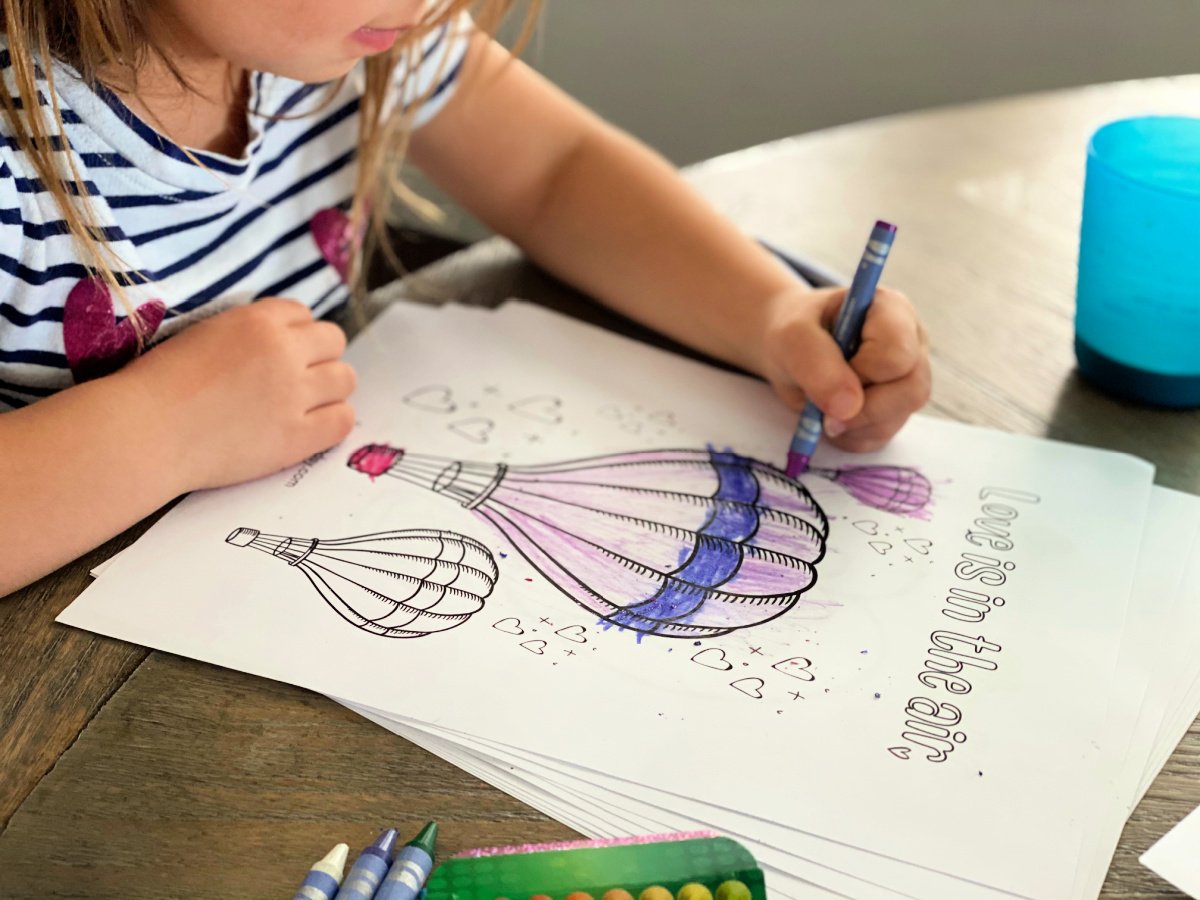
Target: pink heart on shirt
96,343
334,234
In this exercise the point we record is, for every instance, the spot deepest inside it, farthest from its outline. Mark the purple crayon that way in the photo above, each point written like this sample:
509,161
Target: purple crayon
368,870
847,331
413,863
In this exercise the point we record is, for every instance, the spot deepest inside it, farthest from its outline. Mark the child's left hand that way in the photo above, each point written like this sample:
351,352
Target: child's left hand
866,400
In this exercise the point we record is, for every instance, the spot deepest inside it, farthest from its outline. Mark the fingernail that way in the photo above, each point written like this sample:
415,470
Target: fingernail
843,405
834,427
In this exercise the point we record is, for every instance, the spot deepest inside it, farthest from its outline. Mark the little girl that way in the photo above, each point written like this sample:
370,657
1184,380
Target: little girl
166,162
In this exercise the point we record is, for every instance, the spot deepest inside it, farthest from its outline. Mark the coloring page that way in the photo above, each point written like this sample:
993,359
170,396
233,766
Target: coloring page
554,538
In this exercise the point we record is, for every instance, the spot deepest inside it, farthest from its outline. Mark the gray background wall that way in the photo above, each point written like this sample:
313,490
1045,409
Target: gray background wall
695,78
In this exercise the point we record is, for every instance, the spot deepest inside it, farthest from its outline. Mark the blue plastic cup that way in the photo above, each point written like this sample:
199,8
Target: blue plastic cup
1137,305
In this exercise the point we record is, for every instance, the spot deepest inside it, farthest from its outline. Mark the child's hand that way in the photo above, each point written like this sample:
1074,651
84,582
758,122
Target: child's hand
866,401
248,392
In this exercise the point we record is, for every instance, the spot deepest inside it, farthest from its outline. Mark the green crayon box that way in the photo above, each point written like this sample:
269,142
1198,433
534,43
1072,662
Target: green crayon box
694,866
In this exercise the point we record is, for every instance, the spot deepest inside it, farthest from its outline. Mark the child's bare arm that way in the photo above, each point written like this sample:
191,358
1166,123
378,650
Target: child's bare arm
243,394
601,210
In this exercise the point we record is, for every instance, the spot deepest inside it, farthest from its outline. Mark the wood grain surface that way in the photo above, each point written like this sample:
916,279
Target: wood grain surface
146,776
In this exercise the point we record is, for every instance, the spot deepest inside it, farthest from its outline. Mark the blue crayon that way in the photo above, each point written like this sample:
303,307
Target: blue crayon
368,870
408,873
323,878
847,331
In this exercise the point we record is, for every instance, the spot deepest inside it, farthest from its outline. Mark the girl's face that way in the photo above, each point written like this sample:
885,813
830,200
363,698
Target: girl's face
308,40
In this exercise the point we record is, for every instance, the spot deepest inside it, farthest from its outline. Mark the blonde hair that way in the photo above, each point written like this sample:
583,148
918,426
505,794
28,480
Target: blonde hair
98,36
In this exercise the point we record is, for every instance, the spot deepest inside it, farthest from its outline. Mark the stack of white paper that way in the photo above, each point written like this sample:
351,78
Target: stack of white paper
950,669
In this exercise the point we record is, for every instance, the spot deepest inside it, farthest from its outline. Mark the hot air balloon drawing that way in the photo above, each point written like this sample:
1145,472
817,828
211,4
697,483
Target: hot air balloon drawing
894,489
677,543
396,584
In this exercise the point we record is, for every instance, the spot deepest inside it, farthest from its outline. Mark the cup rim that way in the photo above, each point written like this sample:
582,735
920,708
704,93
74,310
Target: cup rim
1094,155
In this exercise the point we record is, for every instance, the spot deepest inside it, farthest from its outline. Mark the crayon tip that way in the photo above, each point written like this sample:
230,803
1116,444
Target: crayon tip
887,226
426,838
385,843
797,464
336,858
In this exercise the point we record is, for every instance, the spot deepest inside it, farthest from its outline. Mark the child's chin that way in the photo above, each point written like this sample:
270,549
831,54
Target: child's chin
315,72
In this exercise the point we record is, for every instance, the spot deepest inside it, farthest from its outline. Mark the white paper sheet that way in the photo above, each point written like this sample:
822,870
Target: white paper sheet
1176,855
1168,544
526,388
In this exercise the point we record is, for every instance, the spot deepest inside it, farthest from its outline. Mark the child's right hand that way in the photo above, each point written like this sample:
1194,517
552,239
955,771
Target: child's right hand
252,390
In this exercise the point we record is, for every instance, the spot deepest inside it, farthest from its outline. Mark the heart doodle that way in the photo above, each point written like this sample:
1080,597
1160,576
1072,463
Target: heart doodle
434,398
573,633
900,752
543,408
537,647
796,667
509,626
921,545
475,430
880,547
751,687
713,658
866,526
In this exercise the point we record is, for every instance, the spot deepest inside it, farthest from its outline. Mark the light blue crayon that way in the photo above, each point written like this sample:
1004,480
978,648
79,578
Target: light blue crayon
406,878
323,878
368,870
847,331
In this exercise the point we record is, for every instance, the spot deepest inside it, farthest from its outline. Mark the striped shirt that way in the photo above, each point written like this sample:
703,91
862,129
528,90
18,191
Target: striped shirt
202,237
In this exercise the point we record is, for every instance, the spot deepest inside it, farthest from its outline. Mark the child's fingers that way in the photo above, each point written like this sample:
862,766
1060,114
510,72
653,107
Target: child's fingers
885,410
815,365
892,339
329,382
326,425
323,341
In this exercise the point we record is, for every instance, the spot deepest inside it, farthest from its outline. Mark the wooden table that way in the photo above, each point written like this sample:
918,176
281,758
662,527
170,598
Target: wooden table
135,774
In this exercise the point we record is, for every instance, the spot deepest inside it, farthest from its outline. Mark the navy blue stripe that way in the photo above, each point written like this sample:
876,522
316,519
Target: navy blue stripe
34,357
277,289
160,143
57,145
325,296
295,97
24,320
31,390
69,116
219,287
317,130
147,237
13,402
36,277
40,231
106,161
6,63
127,201
216,245
35,185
